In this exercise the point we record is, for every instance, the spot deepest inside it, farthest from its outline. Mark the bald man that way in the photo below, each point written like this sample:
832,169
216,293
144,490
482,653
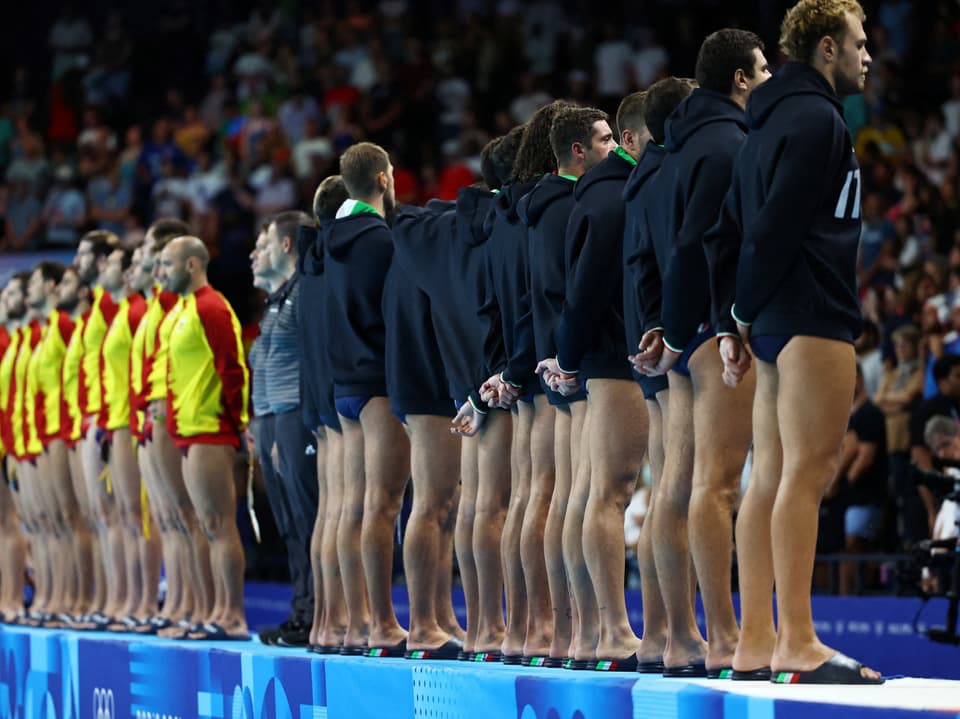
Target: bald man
207,399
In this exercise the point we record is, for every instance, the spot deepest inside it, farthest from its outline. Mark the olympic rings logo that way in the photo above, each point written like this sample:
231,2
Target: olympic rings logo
103,704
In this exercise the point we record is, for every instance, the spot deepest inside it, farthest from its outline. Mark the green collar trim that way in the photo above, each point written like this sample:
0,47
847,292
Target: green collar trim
572,178
625,155
355,207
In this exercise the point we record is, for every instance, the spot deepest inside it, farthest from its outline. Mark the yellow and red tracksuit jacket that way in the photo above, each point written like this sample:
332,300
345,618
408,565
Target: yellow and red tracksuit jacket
45,378
208,382
115,363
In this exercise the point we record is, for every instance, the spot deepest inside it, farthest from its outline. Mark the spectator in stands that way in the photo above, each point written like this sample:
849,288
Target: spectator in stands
70,40
65,211
22,218
29,163
861,481
110,200
870,357
918,517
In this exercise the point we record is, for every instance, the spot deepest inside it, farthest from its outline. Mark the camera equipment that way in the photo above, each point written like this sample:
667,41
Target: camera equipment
942,554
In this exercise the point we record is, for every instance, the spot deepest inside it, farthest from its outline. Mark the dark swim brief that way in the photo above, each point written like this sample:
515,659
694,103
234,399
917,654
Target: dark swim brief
704,333
768,347
351,406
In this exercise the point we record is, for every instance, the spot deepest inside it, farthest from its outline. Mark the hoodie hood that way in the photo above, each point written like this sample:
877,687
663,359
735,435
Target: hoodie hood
438,207
648,164
611,168
473,204
311,255
700,108
508,199
794,78
338,236
548,190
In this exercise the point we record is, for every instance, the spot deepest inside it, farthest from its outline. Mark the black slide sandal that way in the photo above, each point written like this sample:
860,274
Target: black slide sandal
754,675
838,669
697,670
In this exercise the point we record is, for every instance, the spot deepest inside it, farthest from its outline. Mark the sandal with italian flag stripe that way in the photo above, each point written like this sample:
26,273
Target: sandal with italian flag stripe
838,669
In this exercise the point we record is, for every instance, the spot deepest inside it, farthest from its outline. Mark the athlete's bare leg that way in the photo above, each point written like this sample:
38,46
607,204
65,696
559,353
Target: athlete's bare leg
685,645
125,477
335,609
618,440
815,392
208,472
446,615
511,547
543,475
553,535
758,635
76,536
435,461
654,613
348,536
162,525
493,498
51,540
12,556
586,615
91,588
463,536
42,547
316,539
386,459
191,548
721,450
109,530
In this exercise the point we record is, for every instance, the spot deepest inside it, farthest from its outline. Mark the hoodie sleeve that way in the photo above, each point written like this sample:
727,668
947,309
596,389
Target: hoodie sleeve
494,350
686,294
596,259
776,235
523,362
649,287
721,245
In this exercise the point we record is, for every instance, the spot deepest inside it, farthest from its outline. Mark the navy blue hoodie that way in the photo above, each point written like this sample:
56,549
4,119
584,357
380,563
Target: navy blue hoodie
316,380
703,137
641,283
791,221
441,249
416,379
356,256
590,335
508,319
545,211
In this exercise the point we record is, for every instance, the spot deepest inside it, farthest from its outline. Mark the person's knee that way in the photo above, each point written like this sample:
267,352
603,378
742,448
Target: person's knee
706,500
673,499
215,525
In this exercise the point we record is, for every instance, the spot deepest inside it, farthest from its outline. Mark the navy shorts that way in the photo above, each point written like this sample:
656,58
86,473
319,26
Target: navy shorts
330,421
704,333
652,386
767,348
351,406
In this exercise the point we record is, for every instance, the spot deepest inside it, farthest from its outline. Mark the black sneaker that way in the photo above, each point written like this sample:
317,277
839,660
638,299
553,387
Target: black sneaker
271,636
296,635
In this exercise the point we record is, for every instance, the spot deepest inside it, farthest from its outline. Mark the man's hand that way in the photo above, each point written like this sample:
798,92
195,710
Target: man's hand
736,360
468,421
651,349
275,457
557,380
744,331
497,393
